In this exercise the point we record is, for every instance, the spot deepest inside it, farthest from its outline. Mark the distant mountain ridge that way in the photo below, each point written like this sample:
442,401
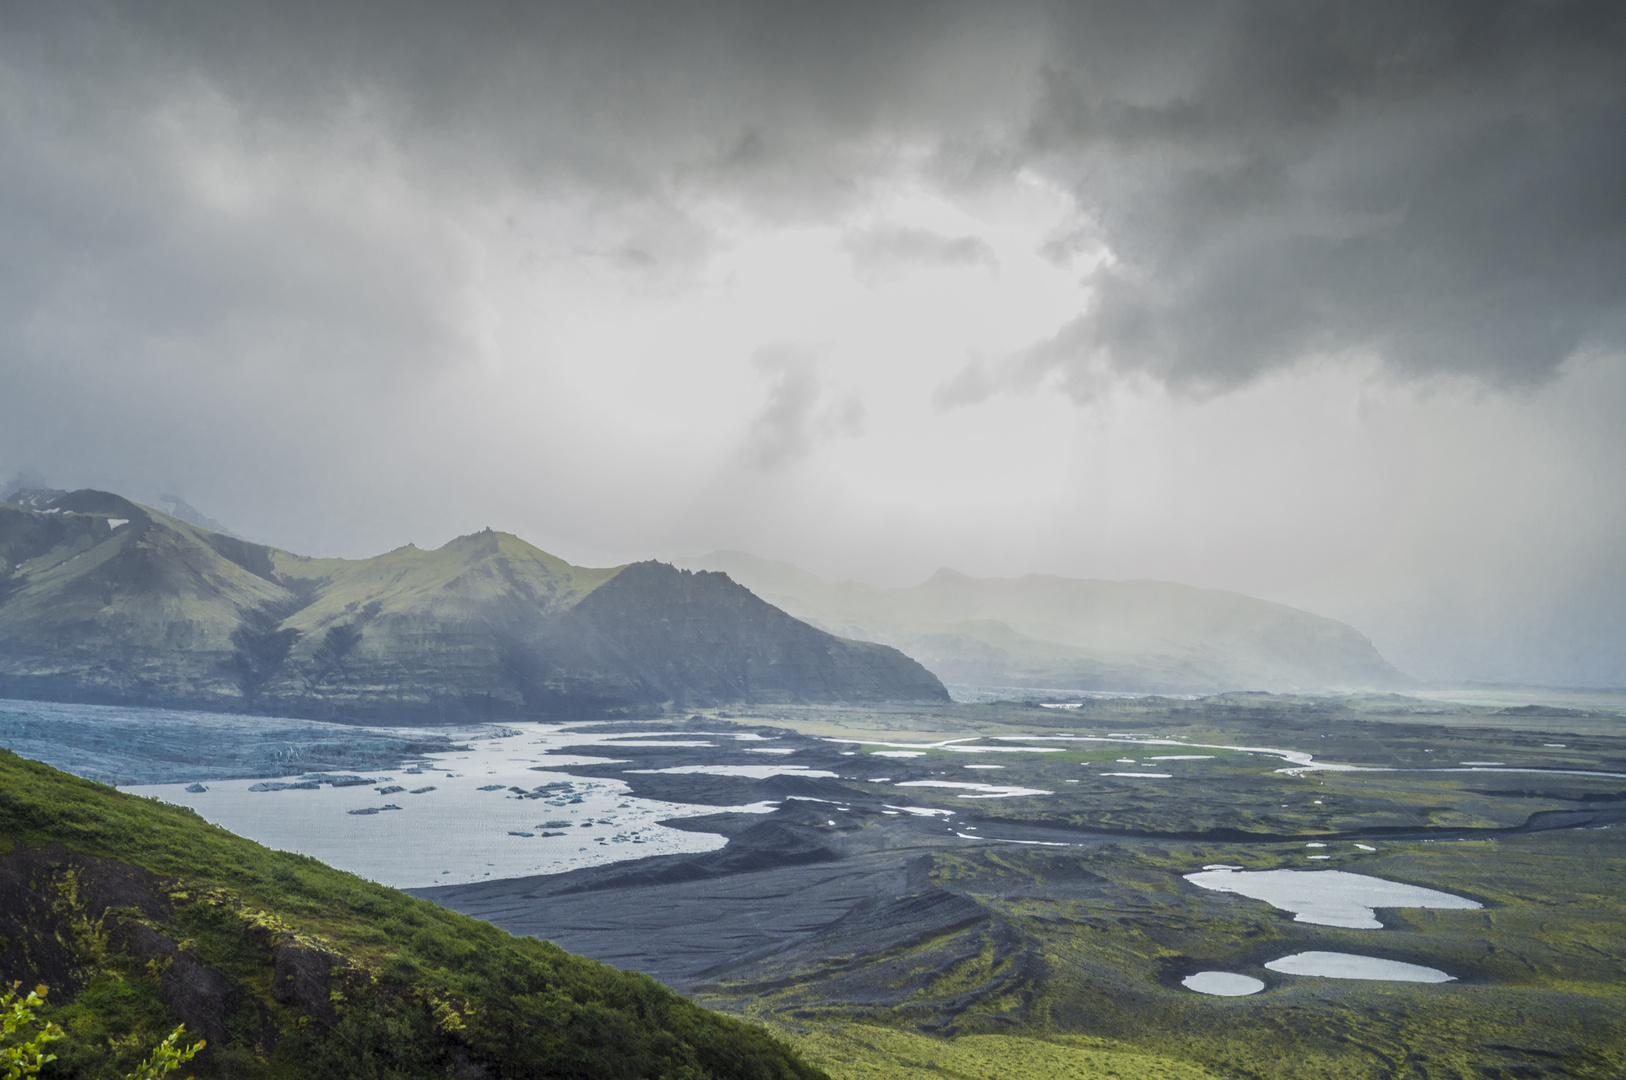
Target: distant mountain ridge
1046,632
178,507
105,600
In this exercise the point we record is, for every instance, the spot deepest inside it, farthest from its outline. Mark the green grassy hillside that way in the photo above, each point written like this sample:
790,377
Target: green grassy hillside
105,600
1054,632
141,915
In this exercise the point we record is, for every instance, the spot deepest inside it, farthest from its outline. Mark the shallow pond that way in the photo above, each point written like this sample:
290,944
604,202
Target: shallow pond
1222,983
1327,897
1338,965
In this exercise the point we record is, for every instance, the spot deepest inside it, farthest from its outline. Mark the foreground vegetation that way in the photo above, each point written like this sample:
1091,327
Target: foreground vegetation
140,915
24,1045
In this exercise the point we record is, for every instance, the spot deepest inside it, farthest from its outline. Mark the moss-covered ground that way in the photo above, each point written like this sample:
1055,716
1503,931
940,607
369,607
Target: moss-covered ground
871,1052
140,913
1078,969
1540,989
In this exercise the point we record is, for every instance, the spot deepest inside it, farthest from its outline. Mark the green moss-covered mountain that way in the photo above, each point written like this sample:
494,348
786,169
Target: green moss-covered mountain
140,915
105,600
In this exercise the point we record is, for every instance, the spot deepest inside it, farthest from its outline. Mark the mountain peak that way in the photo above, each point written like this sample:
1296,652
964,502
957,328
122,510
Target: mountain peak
34,498
486,626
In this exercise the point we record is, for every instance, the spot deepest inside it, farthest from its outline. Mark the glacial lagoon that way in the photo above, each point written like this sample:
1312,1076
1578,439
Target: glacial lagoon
492,810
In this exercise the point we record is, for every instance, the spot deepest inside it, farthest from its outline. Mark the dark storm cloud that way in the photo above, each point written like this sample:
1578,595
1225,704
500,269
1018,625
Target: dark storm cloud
1438,182
1443,184
155,215
629,96
218,184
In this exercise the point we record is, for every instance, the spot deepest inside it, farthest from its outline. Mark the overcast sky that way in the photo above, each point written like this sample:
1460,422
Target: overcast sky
1321,302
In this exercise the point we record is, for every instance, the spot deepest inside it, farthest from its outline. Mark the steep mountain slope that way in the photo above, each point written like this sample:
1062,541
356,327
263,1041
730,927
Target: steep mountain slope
139,915
102,599
716,639
1050,632
101,595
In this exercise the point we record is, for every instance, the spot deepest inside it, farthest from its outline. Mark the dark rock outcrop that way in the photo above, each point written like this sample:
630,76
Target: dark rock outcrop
62,908
201,996
301,977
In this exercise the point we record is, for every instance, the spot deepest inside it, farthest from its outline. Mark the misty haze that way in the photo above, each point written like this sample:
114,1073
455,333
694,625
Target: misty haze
831,541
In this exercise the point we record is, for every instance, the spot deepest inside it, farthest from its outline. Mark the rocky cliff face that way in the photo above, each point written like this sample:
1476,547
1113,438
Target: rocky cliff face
105,600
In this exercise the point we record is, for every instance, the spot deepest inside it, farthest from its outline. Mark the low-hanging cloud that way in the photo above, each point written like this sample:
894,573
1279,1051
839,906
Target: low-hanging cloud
802,410
883,252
